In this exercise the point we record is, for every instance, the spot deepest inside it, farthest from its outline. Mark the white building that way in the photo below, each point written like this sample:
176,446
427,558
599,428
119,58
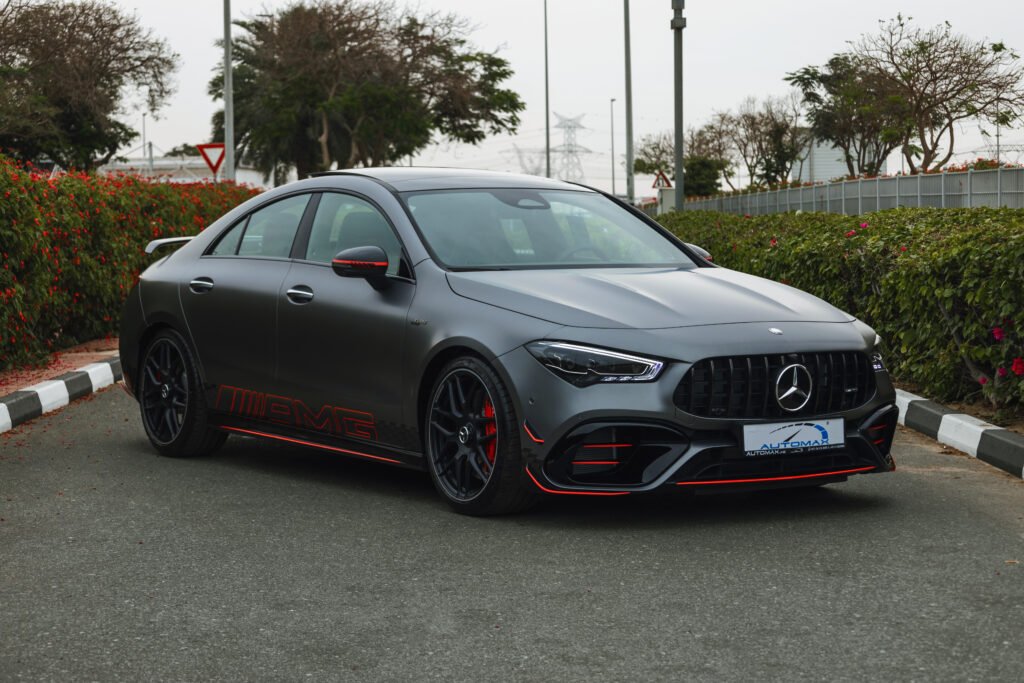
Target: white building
823,163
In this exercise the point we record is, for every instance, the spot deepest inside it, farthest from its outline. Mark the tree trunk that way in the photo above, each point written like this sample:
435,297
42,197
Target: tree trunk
325,153
302,168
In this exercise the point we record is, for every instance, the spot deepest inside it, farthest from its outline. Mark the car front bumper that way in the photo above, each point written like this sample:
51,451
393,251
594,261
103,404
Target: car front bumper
616,439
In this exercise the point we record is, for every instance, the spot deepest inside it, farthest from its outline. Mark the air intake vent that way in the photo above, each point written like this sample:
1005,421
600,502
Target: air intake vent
745,386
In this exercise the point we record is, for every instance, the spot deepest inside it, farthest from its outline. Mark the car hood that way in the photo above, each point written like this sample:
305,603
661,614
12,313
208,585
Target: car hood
643,298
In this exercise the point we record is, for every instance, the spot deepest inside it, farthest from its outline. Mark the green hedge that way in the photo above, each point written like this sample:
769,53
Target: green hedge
944,287
71,247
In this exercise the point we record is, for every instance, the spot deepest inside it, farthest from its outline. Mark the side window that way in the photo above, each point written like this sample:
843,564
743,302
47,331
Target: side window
227,245
271,230
342,222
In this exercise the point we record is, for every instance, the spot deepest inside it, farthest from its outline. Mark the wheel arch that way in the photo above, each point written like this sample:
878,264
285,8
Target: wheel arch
433,367
154,328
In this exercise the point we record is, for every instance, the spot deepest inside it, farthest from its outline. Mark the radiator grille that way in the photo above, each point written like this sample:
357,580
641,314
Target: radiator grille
744,386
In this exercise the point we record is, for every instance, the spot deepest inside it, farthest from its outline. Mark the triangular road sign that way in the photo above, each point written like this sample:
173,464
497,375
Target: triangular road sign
661,181
215,159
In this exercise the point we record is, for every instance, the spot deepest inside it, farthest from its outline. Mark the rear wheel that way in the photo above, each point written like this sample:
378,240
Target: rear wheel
174,411
472,442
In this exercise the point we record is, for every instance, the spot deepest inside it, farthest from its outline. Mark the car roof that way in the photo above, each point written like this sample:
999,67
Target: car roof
418,178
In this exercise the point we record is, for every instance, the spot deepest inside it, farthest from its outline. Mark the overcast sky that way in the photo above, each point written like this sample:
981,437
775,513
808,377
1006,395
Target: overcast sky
733,48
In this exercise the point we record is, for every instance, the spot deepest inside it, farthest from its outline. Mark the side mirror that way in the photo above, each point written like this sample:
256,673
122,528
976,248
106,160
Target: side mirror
701,252
370,263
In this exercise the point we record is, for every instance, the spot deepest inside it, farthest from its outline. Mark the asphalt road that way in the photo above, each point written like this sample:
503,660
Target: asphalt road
271,562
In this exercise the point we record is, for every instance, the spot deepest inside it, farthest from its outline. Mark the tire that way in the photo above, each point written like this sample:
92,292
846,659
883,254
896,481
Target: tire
172,402
471,441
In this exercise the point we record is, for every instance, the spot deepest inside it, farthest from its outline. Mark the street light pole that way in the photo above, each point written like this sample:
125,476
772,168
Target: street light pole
612,107
630,190
547,104
678,24
229,99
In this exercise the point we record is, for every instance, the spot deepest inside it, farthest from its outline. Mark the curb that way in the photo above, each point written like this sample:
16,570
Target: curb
997,446
32,401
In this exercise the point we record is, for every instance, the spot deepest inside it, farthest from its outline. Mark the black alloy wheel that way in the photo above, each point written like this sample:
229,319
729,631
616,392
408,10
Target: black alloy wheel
174,411
165,391
463,434
472,442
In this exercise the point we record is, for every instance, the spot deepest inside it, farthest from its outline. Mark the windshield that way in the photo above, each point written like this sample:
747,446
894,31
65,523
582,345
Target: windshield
522,228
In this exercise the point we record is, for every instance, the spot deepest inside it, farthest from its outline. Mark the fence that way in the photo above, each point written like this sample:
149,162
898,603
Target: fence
967,189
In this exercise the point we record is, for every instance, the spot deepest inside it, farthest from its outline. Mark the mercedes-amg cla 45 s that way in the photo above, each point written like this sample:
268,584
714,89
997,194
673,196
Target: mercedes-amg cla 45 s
511,335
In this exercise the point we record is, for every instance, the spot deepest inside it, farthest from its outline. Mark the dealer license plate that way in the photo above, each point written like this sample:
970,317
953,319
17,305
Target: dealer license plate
797,436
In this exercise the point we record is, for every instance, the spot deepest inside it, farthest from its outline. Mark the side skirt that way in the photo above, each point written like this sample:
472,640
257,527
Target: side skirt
326,443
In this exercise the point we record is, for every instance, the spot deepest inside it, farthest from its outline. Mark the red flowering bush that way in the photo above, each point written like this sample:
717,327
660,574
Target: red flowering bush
944,287
71,247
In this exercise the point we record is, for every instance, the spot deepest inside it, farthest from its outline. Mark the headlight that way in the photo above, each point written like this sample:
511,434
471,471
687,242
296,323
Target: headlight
585,365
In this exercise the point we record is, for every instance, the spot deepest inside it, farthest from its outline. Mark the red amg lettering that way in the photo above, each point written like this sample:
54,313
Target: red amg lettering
292,412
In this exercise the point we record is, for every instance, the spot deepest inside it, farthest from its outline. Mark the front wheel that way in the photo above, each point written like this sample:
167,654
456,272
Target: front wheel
472,442
174,411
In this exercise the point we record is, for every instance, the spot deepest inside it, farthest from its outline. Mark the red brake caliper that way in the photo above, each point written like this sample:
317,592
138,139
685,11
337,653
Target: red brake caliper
489,429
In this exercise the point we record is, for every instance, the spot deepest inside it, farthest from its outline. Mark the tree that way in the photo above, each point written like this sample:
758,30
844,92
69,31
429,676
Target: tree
185,149
359,83
854,109
711,141
767,137
701,176
745,131
783,139
66,71
941,78
655,152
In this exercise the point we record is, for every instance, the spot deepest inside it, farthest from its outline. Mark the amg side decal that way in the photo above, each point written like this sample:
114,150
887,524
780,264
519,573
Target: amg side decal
293,412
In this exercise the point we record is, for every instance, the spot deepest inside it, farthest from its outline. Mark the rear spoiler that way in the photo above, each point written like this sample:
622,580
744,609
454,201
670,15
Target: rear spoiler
156,244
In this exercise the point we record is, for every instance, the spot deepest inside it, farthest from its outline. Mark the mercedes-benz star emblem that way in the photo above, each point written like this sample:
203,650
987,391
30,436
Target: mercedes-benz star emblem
774,330
465,433
793,388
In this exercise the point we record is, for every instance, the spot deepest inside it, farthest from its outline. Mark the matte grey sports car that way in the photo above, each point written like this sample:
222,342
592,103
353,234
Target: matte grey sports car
513,336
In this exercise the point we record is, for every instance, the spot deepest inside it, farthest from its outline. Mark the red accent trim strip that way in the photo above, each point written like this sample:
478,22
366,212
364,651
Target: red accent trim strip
310,443
361,264
878,442
573,493
787,478
877,427
607,445
595,462
530,434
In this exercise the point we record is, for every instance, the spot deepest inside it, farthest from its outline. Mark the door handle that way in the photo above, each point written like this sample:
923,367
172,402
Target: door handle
201,285
300,294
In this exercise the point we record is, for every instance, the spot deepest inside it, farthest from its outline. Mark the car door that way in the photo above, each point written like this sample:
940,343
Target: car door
231,301
340,340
